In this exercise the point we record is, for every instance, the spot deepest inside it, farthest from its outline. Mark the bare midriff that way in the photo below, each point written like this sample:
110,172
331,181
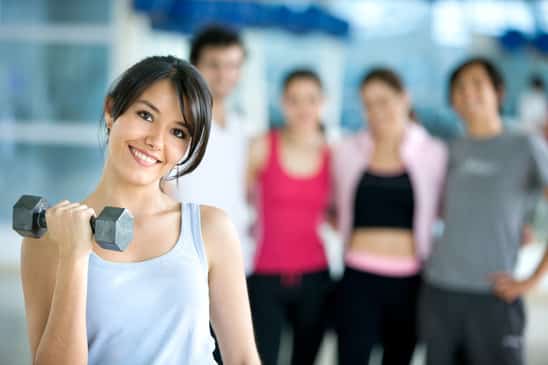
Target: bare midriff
397,243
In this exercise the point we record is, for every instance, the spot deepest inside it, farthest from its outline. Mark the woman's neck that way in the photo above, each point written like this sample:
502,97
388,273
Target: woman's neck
301,137
388,143
218,112
140,200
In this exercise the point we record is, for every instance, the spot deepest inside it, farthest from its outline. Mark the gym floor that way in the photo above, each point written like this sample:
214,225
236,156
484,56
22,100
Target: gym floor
14,347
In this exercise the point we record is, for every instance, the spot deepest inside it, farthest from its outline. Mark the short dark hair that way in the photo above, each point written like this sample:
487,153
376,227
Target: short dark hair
536,81
301,73
495,76
213,36
194,96
385,75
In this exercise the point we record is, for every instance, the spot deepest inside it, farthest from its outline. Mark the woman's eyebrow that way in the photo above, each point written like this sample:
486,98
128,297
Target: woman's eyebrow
153,107
150,105
183,124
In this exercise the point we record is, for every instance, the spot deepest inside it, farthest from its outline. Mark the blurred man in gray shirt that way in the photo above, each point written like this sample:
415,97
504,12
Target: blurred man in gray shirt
471,310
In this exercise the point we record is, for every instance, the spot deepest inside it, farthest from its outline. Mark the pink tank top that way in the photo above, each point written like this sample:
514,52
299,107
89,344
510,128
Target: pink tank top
290,210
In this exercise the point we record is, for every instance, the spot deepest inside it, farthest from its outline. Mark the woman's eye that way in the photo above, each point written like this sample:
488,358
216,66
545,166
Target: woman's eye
179,133
145,115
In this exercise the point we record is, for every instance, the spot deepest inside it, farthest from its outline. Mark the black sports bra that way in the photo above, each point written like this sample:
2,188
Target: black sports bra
383,201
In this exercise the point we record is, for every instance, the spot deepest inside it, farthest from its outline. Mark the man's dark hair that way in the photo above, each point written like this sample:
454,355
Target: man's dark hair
536,81
213,36
495,76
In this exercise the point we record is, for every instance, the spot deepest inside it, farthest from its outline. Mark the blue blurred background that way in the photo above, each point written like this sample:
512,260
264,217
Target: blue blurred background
58,58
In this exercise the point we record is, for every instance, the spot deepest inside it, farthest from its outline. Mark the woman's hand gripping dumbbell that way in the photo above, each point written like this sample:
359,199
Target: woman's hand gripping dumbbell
69,222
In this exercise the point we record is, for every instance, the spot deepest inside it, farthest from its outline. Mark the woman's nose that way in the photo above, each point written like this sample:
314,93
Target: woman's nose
154,139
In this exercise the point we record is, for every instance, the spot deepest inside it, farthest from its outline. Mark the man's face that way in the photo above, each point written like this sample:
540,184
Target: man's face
473,94
221,68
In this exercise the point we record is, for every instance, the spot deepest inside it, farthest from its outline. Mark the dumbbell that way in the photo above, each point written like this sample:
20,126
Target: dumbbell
113,228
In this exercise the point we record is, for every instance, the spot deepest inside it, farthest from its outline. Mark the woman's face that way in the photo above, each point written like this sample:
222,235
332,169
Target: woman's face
385,107
150,137
473,94
302,104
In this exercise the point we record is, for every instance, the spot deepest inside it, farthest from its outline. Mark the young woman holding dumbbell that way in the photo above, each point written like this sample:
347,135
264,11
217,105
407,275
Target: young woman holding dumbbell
153,302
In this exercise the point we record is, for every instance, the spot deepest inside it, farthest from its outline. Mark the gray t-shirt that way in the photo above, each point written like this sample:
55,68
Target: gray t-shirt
491,185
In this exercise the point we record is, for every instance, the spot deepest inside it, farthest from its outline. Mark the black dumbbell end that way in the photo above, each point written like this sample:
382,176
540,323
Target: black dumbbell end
114,228
29,216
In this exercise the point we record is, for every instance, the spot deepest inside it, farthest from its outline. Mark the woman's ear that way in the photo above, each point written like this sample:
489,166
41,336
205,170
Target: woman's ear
108,112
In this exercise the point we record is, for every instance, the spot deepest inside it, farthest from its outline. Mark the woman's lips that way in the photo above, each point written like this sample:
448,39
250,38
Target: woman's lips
142,158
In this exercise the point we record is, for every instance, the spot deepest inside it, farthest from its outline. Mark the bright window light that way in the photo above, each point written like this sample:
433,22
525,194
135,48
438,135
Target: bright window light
376,18
494,17
449,24
542,8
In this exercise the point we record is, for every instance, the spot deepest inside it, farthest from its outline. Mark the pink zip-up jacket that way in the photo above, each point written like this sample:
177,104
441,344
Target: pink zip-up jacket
425,159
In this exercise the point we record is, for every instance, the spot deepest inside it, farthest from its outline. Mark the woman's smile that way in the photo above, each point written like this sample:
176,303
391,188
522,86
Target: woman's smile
143,158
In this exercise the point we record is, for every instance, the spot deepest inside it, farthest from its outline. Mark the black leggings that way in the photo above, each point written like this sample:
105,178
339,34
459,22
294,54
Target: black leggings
300,301
373,310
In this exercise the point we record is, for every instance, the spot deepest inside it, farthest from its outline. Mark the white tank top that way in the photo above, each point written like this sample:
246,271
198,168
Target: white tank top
155,311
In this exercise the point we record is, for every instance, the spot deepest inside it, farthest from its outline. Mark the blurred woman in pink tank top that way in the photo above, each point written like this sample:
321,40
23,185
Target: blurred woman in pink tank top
288,179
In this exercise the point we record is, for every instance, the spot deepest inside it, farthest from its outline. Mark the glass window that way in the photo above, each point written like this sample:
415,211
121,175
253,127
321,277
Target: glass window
449,24
382,18
284,53
55,82
494,17
55,172
542,15
54,11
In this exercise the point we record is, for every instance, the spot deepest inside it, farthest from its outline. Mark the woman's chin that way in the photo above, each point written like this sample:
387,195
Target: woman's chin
140,179
304,126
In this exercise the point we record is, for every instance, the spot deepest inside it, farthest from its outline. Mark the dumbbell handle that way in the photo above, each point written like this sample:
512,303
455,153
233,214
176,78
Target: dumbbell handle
42,221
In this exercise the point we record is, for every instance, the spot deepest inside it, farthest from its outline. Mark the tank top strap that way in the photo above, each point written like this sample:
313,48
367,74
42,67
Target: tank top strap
326,160
194,220
192,233
274,149
274,164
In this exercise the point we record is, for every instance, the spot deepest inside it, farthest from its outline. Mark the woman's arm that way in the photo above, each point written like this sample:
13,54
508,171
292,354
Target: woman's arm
256,158
55,293
332,217
229,303
54,277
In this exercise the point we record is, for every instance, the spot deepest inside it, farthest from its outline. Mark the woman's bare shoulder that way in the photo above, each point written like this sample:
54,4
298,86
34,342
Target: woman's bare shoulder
258,146
215,221
218,232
